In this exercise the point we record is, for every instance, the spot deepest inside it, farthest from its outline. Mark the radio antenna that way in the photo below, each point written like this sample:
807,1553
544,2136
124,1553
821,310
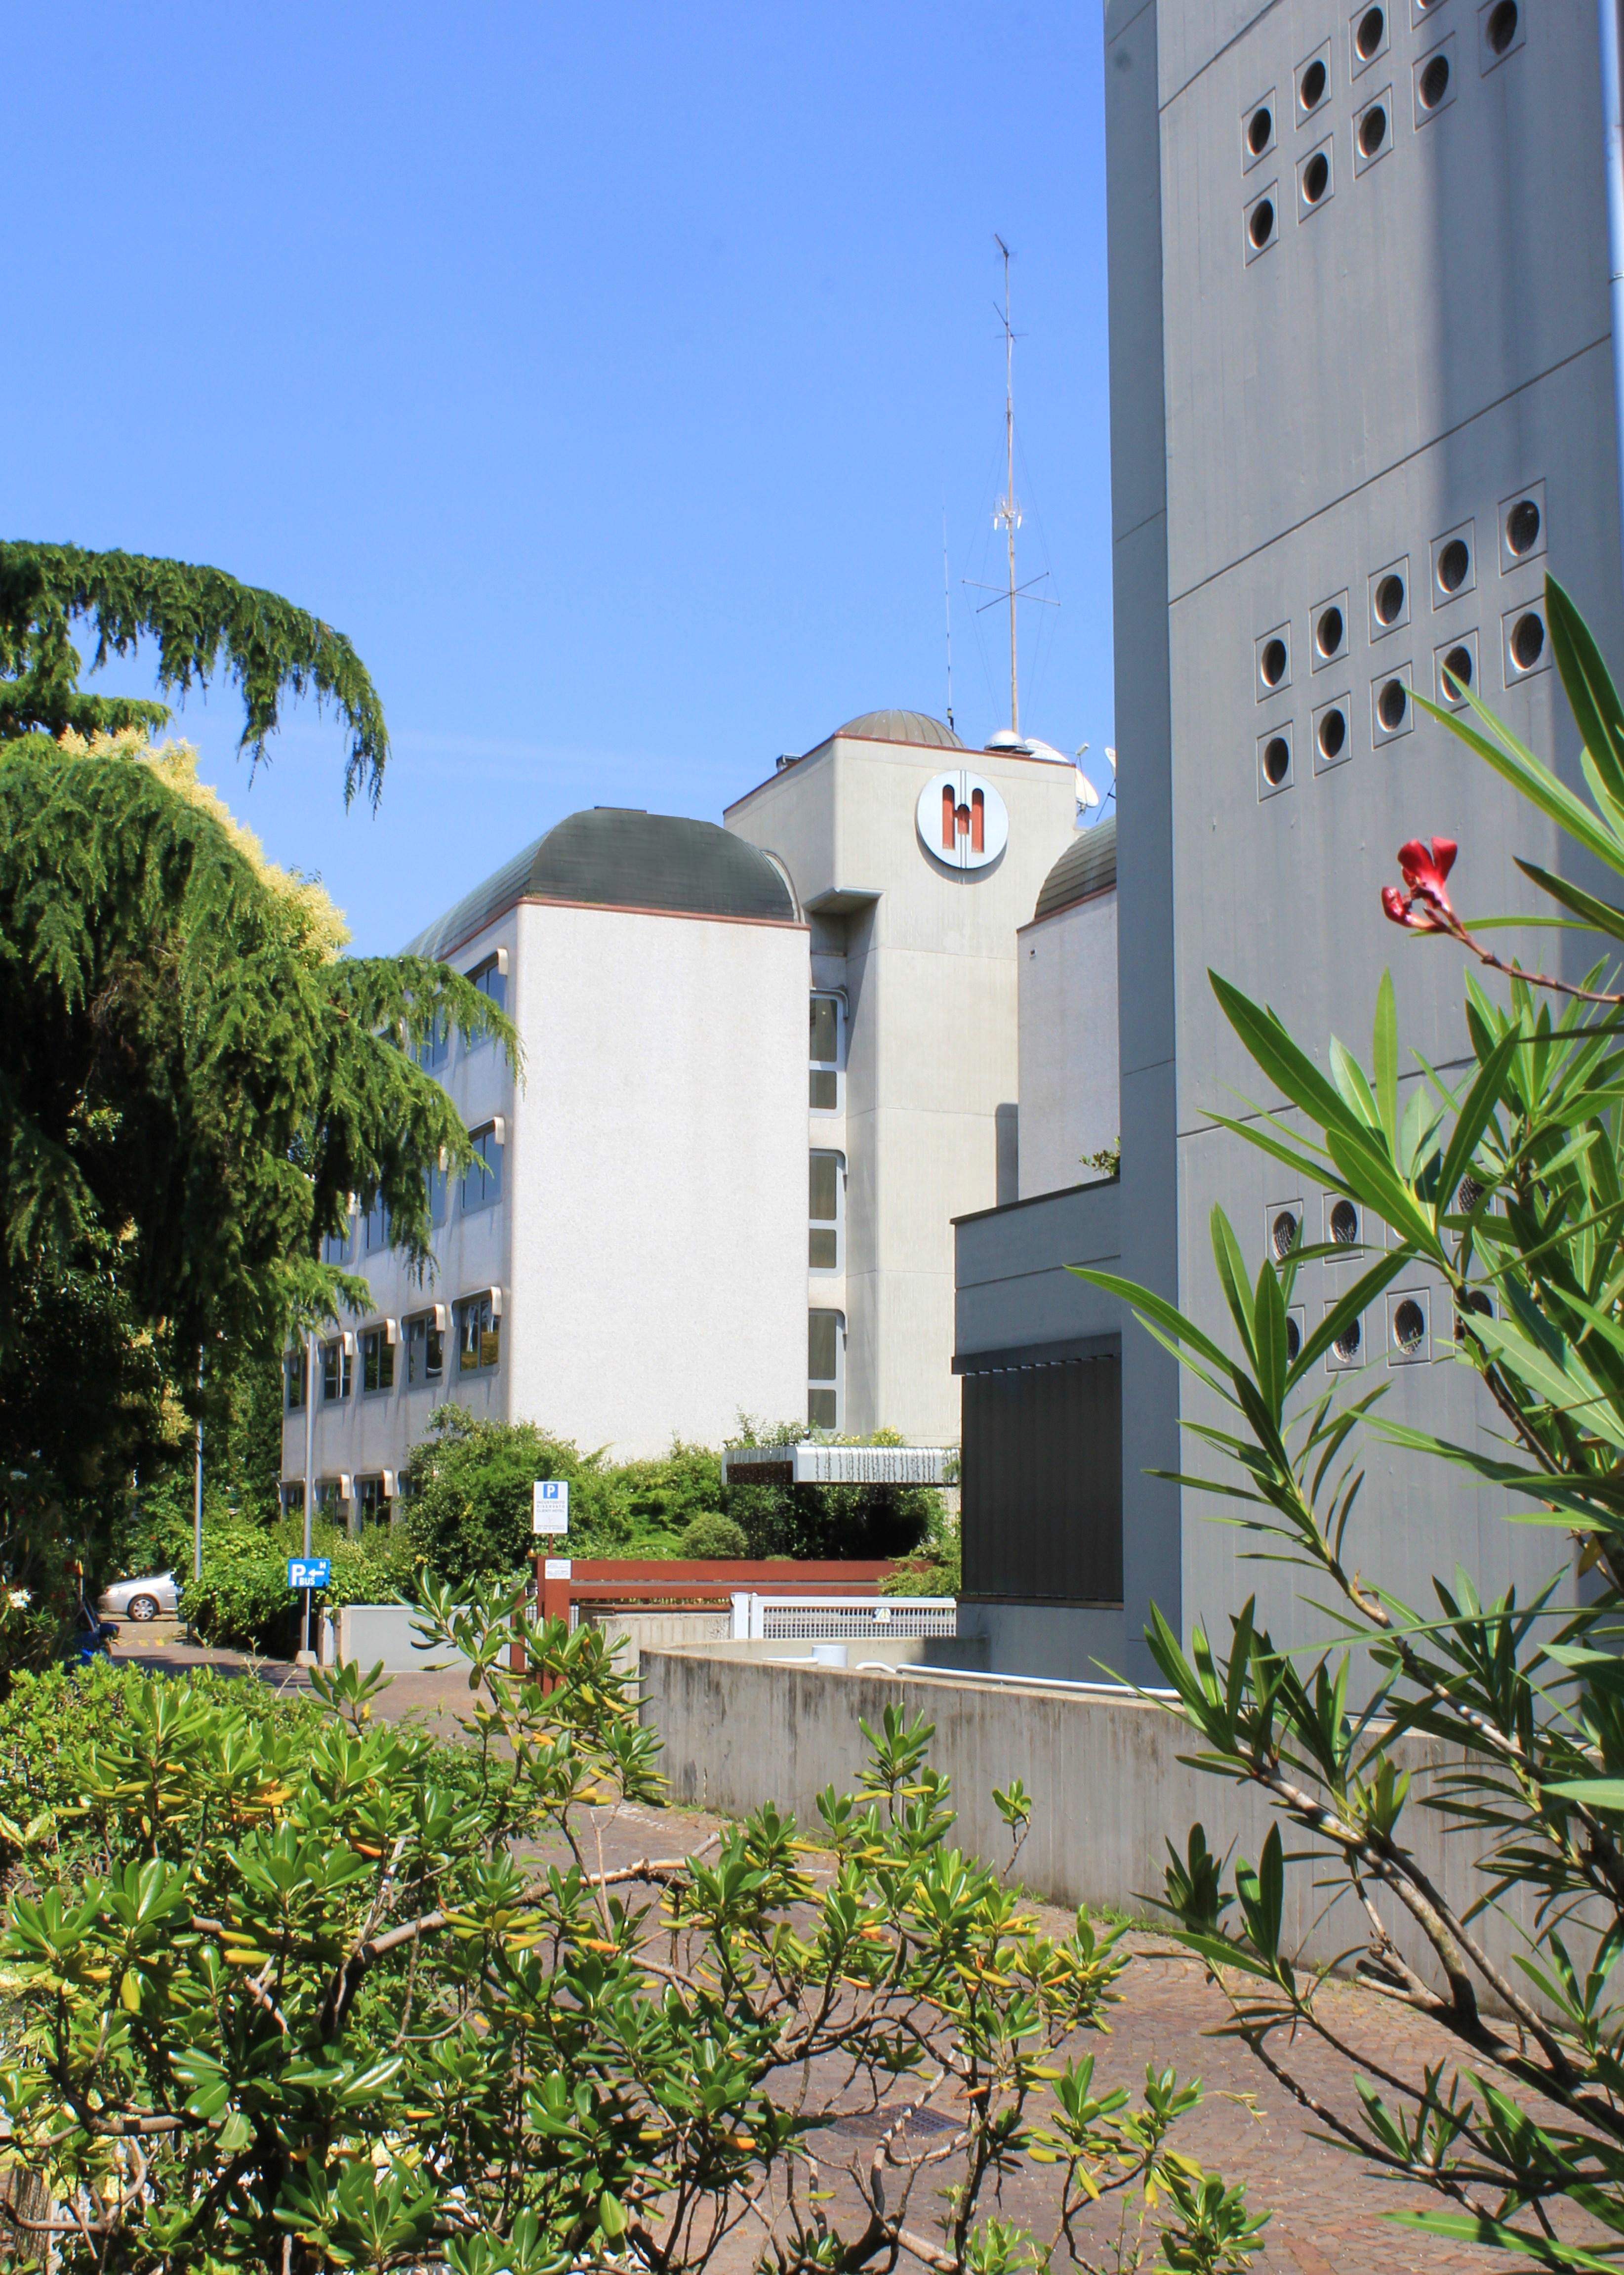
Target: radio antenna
947,609
1008,514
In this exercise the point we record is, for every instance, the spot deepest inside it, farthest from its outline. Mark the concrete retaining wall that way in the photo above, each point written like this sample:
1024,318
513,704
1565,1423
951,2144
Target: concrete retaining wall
1104,1772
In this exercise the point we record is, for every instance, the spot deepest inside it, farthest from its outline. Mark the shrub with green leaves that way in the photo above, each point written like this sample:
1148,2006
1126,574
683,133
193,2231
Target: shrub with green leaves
325,2008
243,1597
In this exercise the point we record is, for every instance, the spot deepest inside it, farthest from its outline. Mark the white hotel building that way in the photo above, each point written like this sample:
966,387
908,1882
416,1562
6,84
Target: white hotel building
765,1067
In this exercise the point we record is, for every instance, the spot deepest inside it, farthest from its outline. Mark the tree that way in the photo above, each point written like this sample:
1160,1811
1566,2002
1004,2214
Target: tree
193,1082
202,620
1509,1188
308,1998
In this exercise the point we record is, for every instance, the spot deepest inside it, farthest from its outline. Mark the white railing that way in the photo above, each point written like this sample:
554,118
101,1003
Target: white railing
842,1618
814,1464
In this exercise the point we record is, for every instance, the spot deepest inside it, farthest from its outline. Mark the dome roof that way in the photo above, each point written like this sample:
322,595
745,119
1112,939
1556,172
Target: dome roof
614,857
902,727
1087,865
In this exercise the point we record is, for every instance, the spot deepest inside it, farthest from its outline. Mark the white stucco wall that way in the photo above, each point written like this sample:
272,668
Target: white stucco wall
660,1176
651,1241
1070,1105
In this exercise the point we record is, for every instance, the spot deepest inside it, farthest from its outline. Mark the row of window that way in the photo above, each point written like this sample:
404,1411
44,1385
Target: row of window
360,1504
478,1188
491,979
476,1346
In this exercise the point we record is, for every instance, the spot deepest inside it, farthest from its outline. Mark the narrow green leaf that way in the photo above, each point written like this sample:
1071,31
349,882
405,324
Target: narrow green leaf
1587,684
1384,1059
1598,915
1167,1316
1347,1307
1232,1273
1289,1069
1471,1122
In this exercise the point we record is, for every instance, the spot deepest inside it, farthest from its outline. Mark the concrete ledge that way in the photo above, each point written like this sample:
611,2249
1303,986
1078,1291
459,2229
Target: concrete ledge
1103,1768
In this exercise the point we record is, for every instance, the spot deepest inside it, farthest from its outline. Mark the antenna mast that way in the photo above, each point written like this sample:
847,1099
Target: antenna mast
947,609
1008,514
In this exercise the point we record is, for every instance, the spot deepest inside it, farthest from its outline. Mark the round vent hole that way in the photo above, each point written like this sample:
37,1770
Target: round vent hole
1283,1234
1523,527
1333,734
1434,83
1453,565
1345,1224
1528,641
1272,662
1458,664
1259,127
1293,1340
1261,228
1312,93
1409,1326
1468,1192
1502,27
1390,599
1367,38
1372,130
1346,1344
1328,631
1316,177
1390,704
1276,760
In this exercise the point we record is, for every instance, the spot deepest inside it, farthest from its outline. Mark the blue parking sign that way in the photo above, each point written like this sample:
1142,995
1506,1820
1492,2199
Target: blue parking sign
309,1572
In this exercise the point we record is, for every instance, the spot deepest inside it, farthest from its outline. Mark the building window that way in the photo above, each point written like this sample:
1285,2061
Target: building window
293,1379
376,1228
433,1052
425,1352
482,1179
826,1211
293,1498
825,1347
332,1502
336,1247
826,1051
377,1360
491,980
479,1335
372,1506
337,1371
438,1182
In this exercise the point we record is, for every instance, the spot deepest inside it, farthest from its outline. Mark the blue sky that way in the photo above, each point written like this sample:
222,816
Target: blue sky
603,374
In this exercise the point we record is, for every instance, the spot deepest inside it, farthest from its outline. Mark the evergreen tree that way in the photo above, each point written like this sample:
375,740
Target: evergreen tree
194,1081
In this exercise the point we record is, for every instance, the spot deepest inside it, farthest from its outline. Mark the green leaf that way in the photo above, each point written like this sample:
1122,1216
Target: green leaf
1150,1306
1384,1059
1597,915
1290,1070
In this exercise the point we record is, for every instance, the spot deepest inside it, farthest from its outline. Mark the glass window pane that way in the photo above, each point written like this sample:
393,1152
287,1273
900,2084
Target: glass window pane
823,1187
825,1089
436,1355
820,1412
822,1346
825,1029
822,1248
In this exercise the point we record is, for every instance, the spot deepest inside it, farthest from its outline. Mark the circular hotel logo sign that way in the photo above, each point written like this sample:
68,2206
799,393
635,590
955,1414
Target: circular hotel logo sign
962,820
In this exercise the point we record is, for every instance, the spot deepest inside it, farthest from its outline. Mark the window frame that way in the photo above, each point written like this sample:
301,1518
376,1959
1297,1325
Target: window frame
379,1503
836,1066
819,1386
296,1371
836,1224
487,1304
377,1354
494,1135
493,967
416,1333
378,1216
343,1347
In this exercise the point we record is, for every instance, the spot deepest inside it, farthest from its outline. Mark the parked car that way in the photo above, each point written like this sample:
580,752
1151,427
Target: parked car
154,1595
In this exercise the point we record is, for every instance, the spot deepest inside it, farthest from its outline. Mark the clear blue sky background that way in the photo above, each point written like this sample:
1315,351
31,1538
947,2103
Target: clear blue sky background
603,374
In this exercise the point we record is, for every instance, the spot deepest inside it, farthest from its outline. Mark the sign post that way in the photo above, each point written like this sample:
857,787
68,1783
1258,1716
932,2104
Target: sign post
308,1573
550,1519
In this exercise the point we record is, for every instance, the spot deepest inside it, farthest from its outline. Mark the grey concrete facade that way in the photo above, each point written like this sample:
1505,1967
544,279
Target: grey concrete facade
1308,408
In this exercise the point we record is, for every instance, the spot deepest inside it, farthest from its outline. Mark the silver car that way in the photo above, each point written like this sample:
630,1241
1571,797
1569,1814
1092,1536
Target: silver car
154,1595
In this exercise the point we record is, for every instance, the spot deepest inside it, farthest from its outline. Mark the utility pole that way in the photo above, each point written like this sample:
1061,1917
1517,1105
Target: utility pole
197,1496
307,1657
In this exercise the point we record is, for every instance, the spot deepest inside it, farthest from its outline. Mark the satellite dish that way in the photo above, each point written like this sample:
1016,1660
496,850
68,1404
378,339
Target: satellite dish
1087,795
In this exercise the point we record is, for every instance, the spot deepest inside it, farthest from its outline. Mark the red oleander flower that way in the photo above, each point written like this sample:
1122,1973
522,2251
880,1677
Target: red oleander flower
1424,906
